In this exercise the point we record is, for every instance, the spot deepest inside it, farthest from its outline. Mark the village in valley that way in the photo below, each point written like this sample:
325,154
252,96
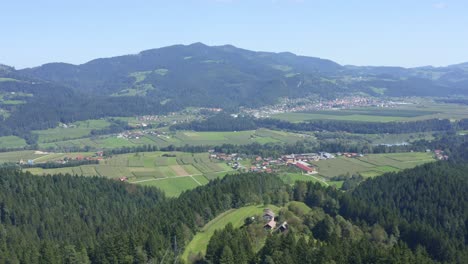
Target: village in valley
270,165
313,104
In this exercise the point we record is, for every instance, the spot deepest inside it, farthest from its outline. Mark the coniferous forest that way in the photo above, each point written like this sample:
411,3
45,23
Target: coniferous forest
415,216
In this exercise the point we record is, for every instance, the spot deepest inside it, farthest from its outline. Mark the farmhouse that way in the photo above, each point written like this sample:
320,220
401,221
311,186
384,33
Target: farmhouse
268,215
270,225
283,227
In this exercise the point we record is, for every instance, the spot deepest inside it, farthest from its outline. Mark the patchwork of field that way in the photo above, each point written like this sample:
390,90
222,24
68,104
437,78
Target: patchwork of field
424,110
173,172
181,138
372,165
234,216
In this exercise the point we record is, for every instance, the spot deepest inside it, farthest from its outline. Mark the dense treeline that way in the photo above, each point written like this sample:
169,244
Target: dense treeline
361,127
428,204
54,165
116,126
233,246
415,216
61,219
40,112
220,122
225,122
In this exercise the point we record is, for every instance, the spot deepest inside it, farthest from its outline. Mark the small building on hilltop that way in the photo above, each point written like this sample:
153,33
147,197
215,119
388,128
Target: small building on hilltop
283,227
270,225
268,215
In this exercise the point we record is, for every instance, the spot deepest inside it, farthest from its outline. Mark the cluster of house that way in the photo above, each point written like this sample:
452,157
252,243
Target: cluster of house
268,165
350,154
148,118
211,109
301,104
224,156
440,155
270,223
63,125
232,160
137,134
97,156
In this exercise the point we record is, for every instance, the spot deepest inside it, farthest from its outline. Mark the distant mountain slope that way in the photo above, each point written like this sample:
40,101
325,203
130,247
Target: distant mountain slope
219,76
229,76
174,77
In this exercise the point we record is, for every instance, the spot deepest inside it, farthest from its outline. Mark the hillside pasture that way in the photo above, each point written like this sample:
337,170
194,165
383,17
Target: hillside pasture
234,216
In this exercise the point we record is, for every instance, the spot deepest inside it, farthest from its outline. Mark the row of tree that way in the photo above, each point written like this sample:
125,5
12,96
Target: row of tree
226,122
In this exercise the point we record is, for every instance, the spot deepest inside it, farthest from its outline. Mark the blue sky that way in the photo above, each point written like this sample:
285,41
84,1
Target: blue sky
366,32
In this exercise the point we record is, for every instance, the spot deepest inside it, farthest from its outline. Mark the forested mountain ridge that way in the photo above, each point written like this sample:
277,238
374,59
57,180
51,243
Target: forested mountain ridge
158,81
205,71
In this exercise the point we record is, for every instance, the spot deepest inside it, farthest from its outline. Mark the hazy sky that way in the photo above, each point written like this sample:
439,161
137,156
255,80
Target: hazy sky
364,32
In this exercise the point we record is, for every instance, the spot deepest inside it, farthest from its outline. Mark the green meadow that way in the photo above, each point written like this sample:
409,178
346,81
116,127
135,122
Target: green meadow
373,164
424,110
75,130
234,216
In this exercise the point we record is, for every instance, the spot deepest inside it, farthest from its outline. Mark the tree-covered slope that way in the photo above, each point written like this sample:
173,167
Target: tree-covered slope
62,219
429,204
230,76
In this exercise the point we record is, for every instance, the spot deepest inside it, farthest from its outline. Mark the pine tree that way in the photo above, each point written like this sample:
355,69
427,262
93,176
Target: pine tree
227,257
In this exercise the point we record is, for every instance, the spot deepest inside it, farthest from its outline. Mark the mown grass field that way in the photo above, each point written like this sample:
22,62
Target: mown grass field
372,165
235,216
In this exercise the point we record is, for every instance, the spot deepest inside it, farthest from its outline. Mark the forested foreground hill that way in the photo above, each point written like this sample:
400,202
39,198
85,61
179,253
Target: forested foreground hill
418,215
66,219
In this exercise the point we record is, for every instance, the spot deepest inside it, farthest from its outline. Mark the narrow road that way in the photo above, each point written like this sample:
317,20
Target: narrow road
318,179
182,176
196,180
165,178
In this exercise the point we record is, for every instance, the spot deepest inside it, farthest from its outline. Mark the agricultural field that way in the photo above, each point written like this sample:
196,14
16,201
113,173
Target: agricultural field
291,178
234,216
180,138
173,172
9,142
396,138
373,164
75,130
16,156
184,116
261,136
422,110
175,186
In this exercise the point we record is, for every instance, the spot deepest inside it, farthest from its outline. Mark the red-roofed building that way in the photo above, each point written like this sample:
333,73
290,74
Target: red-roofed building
305,168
